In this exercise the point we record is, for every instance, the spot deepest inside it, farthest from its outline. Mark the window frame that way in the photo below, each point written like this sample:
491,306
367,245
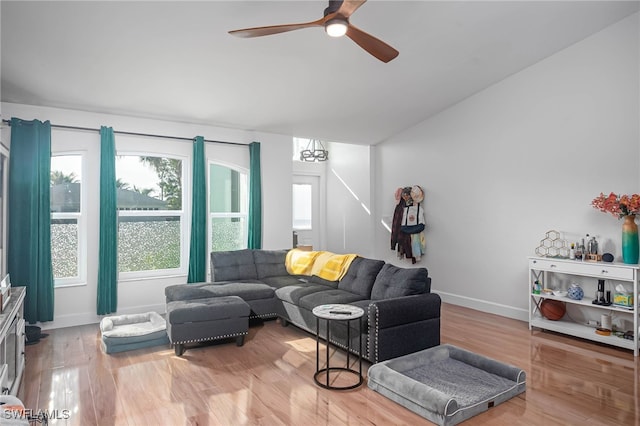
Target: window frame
81,221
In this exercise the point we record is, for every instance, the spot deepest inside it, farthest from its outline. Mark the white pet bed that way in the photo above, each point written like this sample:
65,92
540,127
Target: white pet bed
446,384
134,331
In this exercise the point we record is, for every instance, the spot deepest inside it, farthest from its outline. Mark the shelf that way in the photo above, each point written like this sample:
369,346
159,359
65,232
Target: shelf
579,330
550,271
585,302
602,270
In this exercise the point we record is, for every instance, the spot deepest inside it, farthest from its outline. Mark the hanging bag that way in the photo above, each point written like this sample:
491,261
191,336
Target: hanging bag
412,229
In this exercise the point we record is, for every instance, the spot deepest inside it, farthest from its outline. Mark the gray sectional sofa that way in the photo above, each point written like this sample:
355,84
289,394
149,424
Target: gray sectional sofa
401,316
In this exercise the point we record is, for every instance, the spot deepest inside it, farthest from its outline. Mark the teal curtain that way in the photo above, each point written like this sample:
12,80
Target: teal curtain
108,250
255,197
29,251
198,246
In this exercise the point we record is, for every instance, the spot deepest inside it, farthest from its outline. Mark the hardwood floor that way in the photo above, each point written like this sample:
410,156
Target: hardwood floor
269,381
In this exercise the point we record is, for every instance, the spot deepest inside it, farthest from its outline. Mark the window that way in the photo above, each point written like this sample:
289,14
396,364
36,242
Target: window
298,145
302,196
150,214
228,200
67,219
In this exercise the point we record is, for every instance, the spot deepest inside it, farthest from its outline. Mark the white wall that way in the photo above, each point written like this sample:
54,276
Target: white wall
276,167
349,199
77,305
522,157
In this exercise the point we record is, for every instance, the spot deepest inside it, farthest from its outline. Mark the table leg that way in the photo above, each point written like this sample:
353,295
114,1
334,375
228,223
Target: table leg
348,341
317,344
328,339
360,348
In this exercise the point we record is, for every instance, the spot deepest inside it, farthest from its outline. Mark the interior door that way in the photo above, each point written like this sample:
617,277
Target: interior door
306,211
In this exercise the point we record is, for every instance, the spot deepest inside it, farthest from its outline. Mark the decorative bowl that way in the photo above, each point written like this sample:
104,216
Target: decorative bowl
561,293
575,292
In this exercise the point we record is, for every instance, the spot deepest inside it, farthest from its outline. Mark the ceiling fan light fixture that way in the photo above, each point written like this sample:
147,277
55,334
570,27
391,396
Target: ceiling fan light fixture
336,27
335,22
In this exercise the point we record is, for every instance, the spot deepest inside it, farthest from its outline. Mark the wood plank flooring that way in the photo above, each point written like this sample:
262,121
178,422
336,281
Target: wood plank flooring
269,381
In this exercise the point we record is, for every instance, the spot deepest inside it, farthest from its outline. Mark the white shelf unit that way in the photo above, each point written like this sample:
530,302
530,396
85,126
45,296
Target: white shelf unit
12,340
558,274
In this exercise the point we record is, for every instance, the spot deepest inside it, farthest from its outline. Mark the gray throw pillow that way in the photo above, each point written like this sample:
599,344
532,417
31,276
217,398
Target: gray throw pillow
361,275
393,281
233,265
270,263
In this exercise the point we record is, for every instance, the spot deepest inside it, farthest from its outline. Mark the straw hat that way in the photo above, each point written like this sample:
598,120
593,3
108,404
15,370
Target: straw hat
417,194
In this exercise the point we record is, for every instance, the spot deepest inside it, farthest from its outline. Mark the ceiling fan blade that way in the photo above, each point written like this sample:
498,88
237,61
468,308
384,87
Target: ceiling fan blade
374,46
349,6
275,29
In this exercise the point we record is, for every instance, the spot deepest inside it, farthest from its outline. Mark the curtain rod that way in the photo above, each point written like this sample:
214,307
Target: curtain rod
120,132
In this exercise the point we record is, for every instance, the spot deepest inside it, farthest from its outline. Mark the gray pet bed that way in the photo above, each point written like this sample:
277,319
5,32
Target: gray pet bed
446,384
134,331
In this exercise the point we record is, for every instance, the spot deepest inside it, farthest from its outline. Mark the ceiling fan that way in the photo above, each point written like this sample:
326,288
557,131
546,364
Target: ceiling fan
336,24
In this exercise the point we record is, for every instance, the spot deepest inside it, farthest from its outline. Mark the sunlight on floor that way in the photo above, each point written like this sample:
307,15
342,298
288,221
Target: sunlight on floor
306,344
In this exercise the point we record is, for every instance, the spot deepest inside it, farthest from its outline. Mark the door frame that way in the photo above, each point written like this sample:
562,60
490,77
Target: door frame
318,218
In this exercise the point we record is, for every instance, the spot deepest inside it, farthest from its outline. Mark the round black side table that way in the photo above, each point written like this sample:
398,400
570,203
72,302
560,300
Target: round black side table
337,312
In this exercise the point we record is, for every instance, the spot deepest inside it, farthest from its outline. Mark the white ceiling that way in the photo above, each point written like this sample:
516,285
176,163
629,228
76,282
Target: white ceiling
174,60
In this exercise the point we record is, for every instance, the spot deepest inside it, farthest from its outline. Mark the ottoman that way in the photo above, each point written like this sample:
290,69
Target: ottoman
260,297
199,320
134,331
446,384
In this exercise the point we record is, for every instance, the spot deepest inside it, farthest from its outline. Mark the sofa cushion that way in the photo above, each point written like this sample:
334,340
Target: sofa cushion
293,293
285,280
360,277
208,309
270,263
317,280
233,265
329,296
364,304
393,281
246,290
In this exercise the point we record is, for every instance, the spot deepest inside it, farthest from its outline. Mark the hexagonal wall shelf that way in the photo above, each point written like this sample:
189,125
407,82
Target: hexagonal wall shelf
552,245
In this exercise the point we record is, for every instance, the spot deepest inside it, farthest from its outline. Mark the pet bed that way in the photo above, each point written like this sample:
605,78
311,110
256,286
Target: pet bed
446,384
134,331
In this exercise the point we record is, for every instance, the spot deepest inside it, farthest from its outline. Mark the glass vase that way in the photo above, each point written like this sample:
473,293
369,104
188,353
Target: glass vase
630,240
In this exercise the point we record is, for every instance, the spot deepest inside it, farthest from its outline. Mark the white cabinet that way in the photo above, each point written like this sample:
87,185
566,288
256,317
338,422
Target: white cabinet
12,340
582,315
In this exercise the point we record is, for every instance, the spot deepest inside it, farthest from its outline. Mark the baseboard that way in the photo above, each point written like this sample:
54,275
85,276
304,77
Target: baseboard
63,321
484,305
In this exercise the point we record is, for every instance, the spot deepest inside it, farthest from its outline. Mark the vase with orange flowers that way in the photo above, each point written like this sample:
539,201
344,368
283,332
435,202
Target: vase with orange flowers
627,207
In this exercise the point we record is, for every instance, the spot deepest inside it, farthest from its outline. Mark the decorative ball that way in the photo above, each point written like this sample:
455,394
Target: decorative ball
575,292
552,309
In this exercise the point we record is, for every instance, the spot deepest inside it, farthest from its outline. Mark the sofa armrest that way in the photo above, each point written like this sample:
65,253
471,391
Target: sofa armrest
406,309
403,325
